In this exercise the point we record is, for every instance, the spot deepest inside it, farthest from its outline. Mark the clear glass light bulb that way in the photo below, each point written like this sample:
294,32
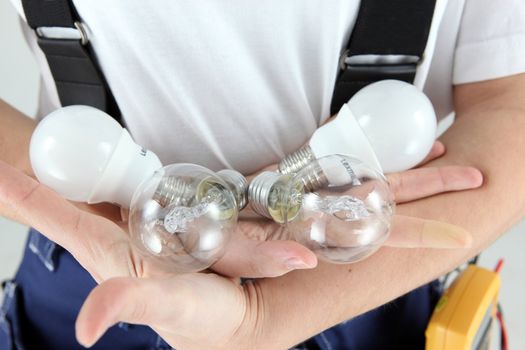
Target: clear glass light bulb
336,206
184,214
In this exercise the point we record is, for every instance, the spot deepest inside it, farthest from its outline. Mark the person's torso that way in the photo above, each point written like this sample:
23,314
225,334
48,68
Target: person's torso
231,84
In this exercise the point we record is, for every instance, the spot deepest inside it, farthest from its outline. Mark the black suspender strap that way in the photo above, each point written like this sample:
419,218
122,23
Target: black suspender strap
65,44
387,42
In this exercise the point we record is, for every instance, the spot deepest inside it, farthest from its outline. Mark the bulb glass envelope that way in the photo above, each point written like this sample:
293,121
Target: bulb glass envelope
185,215
336,206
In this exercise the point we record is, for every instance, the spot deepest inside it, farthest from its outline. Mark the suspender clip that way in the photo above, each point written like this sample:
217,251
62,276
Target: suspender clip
357,71
373,67
376,60
67,33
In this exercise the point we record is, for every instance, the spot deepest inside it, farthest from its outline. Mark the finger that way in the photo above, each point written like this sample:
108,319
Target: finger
411,232
107,210
437,150
262,248
249,258
120,299
88,237
175,306
424,182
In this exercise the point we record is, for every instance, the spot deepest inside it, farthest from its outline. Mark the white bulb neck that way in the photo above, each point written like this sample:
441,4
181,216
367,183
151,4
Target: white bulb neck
344,136
129,165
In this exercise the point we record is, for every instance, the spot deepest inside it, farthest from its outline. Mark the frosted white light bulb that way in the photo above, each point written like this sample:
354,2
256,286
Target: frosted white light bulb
85,155
390,125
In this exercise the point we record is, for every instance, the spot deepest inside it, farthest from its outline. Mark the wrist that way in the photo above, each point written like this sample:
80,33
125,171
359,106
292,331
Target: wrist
256,330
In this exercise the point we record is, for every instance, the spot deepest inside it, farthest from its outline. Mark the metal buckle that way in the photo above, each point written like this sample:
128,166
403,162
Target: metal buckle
77,33
376,60
379,67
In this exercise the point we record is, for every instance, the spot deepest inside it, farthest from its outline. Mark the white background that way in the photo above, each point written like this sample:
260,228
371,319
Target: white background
19,87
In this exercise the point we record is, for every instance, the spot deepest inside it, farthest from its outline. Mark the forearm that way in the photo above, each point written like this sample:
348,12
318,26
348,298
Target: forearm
488,136
15,133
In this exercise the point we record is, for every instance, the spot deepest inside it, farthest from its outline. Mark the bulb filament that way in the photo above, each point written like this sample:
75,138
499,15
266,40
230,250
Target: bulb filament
179,217
346,208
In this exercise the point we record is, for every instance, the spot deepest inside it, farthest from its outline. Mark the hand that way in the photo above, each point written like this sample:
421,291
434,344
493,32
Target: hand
176,307
261,251
103,248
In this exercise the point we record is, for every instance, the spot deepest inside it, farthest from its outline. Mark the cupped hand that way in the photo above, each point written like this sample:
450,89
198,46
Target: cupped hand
174,305
266,258
207,311
102,245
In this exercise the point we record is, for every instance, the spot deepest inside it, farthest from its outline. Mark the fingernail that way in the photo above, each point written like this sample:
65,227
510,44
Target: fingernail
296,264
438,234
477,177
85,344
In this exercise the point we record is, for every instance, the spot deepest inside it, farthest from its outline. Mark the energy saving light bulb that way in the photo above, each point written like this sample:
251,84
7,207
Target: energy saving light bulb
337,206
183,214
86,156
390,125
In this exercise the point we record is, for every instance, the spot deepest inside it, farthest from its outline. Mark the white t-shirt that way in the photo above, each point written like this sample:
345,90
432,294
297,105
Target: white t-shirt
239,84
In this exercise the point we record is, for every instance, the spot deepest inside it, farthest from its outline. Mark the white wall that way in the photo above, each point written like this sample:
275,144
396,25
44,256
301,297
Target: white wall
19,85
18,70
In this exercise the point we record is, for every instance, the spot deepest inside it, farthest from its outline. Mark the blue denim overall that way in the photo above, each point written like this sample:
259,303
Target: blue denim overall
42,302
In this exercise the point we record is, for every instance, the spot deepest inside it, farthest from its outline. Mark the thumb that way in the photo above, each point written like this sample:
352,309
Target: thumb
250,258
131,300
173,306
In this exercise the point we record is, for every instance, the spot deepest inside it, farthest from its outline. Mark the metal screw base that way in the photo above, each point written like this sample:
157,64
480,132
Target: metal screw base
260,189
297,160
238,184
172,190
315,178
